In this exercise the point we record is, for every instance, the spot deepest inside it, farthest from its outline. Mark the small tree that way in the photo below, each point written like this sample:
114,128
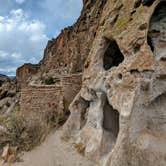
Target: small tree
49,81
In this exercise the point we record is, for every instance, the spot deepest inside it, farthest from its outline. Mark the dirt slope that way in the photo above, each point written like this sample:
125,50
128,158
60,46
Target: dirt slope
53,152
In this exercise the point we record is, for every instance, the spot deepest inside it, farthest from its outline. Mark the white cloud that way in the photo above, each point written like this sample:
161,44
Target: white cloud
62,11
20,1
22,40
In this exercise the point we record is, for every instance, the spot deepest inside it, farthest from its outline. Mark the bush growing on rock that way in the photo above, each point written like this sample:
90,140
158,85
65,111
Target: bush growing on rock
49,81
26,131
21,131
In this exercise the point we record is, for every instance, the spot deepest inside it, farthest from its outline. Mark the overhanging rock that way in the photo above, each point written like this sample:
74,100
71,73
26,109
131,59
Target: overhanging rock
119,114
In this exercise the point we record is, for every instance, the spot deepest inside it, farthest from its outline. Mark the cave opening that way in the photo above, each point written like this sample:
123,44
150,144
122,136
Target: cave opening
111,120
84,111
112,56
147,2
156,38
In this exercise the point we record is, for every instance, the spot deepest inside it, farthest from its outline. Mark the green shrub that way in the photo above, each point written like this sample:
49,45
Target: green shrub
80,148
25,132
49,81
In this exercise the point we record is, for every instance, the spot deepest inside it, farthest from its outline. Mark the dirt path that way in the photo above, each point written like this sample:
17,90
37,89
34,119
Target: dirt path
54,152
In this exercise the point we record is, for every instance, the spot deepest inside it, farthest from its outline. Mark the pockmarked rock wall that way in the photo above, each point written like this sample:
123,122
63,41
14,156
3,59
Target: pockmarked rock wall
119,115
68,52
71,48
24,72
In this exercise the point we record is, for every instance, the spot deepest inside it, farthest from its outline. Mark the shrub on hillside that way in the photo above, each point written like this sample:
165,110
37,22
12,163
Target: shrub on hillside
27,131
22,132
49,81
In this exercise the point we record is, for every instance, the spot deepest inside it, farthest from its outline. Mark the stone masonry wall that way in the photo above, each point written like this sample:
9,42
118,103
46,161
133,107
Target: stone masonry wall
42,98
71,85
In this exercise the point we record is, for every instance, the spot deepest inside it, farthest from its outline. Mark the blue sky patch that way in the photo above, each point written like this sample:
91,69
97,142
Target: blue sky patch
27,25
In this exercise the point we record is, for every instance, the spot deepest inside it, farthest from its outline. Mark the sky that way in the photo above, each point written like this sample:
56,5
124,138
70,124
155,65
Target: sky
27,25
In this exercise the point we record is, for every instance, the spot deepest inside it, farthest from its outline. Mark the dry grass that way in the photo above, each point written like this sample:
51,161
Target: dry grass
23,132
27,131
80,148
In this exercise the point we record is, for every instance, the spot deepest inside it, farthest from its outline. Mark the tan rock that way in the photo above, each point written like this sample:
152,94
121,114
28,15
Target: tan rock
9,154
118,117
5,153
12,158
125,88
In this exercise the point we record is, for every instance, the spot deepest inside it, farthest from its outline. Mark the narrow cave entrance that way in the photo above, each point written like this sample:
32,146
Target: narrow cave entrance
111,120
110,128
112,56
84,111
157,31
147,2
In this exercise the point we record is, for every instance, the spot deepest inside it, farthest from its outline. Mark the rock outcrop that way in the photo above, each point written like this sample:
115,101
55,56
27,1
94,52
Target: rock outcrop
25,72
62,64
119,115
3,78
8,94
67,53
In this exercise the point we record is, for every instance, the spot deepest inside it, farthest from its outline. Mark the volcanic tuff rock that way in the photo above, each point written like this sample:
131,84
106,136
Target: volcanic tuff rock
67,53
72,46
8,94
119,115
3,77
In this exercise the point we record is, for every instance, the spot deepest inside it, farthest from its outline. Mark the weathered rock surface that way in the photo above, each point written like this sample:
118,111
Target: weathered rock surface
67,53
9,154
8,95
3,77
25,72
120,113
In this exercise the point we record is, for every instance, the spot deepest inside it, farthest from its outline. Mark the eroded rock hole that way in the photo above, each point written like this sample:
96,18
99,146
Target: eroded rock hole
156,121
147,2
137,3
150,43
157,31
112,56
111,120
84,112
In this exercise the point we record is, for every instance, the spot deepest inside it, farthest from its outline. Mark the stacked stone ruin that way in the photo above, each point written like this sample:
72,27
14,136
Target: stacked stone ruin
41,98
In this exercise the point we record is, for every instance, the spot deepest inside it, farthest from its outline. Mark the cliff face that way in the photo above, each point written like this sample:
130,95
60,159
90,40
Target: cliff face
8,94
67,53
71,48
3,78
25,72
118,117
